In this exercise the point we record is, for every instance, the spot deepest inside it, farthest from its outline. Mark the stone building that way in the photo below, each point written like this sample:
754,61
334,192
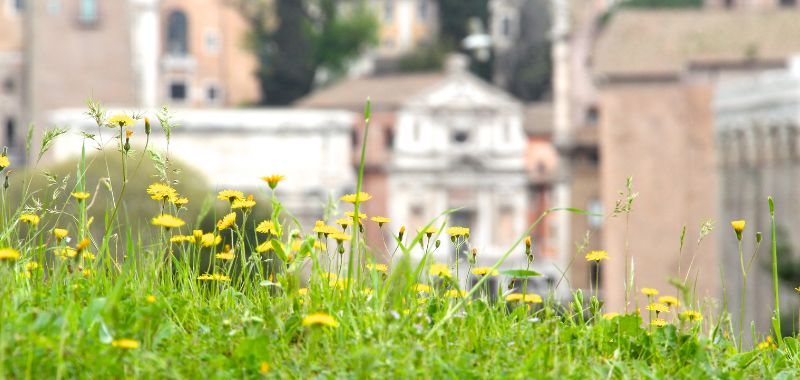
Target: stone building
404,25
12,82
444,140
656,124
310,147
757,134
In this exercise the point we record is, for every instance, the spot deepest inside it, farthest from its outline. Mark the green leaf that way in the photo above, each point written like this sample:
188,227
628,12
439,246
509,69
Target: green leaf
520,273
278,248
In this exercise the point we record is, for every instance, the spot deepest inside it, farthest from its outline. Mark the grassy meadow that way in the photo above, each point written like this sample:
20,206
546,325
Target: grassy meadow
212,286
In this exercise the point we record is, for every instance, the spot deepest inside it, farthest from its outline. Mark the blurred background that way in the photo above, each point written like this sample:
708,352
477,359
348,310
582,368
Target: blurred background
501,108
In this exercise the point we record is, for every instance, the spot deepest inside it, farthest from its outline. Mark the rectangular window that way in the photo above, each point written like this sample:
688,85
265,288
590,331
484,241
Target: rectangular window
212,94
423,9
388,10
212,42
19,4
178,91
11,126
87,12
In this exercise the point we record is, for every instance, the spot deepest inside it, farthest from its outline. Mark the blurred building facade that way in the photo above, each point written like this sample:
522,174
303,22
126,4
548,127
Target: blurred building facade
757,133
12,84
656,118
404,25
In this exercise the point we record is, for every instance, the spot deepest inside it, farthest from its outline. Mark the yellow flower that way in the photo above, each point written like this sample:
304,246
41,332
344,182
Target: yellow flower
180,201
429,230
378,267
610,316
797,289
32,266
87,272
458,231
738,226
230,195
669,300
264,247
341,236
226,256
128,133
151,299
4,162
273,180
214,277
209,239
344,222
380,220
80,195
263,368
350,215
483,271
227,221
358,197
691,315
767,344
320,319
268,227
597,256
455,293
650,292
29,218
127,344
658,307
244,203
658,322
440,270
120,120
322,228
533,298
65,252
88,256
9,254
168,221
422,288
60,233
514,297
162,192
329,276
181,239
302,291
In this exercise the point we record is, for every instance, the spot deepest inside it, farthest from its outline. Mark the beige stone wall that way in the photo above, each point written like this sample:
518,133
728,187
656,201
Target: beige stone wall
661,134
72,60
228,64
11,79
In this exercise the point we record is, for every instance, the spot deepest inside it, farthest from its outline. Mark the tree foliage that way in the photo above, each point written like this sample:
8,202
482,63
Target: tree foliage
296,41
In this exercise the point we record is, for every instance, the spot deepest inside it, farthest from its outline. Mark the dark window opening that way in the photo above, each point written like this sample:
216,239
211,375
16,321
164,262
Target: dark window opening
177,33
8,86
592,116
177,91
423,9
460,136
11,132
729,3
506,27
19,4
212,94
389,138
788,3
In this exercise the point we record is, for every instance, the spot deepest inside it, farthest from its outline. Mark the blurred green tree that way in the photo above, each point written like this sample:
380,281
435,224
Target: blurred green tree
298,41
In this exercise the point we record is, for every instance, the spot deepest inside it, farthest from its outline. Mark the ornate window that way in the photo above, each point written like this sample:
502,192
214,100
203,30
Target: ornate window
177,33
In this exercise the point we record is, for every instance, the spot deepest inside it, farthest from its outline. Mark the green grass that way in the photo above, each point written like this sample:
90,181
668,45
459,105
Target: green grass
68,317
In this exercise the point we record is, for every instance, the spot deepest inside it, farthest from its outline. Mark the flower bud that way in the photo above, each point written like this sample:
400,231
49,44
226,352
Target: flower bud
438,243
402,232
147,125
758,237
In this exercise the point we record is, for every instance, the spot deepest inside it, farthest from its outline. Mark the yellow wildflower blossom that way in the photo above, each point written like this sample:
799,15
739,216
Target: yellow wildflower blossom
691,315
320,319
263,368
272,180
225,256
650,292
168,221
658,322
422,288
80,195
483,271
162,192
244,203
227,221
264,247
60,233
4,162
268,227
120,120
458,231
610,316
213,277
126,344
341,236
358,197
597,256
440,270
9,254
230,195
669,300
658,307
209,239
455,293
29,219
378,267
380,220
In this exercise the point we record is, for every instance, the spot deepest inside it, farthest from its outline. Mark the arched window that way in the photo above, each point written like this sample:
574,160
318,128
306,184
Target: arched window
177,33
88,11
